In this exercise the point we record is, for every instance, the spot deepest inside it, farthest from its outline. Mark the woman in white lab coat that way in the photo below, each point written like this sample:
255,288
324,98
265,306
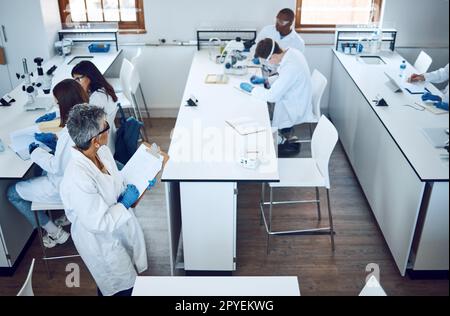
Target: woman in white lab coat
292,90
104,229
438,76
45,189
100,92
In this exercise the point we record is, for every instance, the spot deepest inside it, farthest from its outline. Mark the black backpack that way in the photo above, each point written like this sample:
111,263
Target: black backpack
127,137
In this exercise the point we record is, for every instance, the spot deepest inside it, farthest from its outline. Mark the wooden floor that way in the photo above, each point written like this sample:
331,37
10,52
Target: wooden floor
359,241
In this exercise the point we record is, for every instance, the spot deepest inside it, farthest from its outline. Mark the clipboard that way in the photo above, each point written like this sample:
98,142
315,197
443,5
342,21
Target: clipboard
143,167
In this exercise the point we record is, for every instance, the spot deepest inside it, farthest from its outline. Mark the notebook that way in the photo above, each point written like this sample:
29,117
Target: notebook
216,79
246,126
143,167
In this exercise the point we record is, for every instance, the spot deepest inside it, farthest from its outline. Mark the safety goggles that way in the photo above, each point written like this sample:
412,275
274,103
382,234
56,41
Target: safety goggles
78,78
106,129
283,22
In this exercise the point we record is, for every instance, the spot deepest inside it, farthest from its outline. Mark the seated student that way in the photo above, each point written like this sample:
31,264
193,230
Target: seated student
291,92
438,76
101,93
45,189
97,201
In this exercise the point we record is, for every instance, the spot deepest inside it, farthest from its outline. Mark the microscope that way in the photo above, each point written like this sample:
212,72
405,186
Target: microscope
44,82
235,60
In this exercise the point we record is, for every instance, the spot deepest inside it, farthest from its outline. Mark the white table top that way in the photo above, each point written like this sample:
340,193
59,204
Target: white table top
216,286
204,148
404,123
15,117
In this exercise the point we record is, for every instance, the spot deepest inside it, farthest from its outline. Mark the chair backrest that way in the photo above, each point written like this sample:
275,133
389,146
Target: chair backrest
319,83
423,62
323,142
27,288
136,57
113,130
125,75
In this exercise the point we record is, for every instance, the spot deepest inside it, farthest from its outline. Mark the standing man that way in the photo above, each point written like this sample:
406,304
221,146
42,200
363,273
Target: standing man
283,32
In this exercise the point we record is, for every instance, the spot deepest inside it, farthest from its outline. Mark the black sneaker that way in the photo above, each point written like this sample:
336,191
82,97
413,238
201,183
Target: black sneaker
287,150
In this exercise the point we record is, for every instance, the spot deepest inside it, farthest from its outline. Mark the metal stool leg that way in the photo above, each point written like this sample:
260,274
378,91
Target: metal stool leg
270,220
318,204
41,241
145,103
263,198
331,220
140,118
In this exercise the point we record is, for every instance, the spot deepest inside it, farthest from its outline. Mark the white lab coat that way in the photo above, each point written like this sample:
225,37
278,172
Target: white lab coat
45,189
101,99
439,76
291,92
292,40
107,235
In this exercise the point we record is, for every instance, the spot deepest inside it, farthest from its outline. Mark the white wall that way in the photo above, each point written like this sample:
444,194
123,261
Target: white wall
52,23
421,25
178,20
163,70
27,34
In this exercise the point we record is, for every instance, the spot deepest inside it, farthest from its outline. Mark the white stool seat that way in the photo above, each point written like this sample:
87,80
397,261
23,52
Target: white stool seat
46,206
298,172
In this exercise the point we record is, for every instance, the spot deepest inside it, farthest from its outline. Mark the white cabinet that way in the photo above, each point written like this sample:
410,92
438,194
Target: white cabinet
208,212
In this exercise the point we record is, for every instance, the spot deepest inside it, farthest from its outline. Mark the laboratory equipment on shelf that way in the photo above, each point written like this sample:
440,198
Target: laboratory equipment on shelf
64,47
364,40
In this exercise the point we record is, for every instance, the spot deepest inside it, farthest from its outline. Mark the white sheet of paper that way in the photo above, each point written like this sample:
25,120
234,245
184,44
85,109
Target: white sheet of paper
246,125
21,140
142,168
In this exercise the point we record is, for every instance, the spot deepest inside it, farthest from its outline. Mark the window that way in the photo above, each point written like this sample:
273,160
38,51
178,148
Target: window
128,13
325,15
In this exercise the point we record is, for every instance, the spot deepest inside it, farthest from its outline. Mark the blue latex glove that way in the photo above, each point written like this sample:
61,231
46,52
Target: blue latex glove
257,80
256,61
442,105
48,139
431,97
32,147
130,196
47,117
246,87
152,183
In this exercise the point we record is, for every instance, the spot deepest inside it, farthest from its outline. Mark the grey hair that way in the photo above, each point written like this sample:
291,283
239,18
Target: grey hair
85,123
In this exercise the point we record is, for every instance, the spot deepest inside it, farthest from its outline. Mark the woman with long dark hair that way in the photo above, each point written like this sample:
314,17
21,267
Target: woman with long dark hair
100,92
45,189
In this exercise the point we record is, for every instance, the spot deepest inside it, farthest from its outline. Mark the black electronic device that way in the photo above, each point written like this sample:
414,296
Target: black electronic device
192,102
381,102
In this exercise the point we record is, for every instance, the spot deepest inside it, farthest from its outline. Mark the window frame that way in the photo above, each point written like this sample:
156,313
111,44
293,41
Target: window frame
326,28
137,27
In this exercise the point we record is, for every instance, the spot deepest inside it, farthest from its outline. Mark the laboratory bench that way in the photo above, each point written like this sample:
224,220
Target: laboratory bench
404,175
203,172
15,231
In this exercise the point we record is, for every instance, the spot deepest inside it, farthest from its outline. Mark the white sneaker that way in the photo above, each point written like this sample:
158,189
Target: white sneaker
62,221
60,237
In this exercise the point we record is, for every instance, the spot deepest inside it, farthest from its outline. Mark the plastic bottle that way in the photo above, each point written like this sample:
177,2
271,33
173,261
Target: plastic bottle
402,69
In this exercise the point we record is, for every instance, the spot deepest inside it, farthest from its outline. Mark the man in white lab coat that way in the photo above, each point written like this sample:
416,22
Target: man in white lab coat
283,32
438,76
291,92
